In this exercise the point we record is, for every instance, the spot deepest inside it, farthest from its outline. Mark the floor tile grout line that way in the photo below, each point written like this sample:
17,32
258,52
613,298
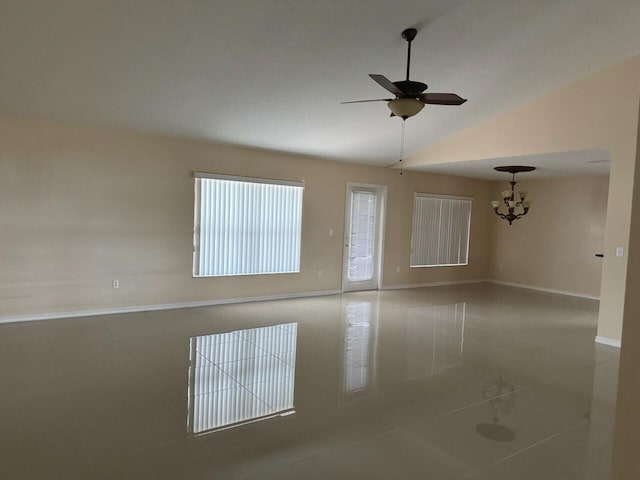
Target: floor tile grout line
481,402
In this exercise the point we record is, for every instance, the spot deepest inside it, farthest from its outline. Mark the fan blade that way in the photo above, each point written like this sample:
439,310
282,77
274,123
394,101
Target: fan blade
387,84
363,101
442,99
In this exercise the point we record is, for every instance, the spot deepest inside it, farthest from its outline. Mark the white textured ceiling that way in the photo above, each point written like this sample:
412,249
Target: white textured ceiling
272,73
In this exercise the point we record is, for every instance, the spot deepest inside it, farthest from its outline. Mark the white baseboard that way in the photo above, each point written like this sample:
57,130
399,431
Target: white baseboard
224,301
432,284
542,289
608,341
163,306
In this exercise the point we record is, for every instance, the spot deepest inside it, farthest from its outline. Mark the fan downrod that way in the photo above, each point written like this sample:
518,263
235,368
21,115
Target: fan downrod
409,34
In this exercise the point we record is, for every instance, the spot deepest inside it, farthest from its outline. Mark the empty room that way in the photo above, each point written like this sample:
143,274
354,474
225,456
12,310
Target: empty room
319,239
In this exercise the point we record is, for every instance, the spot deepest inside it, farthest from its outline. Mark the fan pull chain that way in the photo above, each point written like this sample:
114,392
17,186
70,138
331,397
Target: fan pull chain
402,146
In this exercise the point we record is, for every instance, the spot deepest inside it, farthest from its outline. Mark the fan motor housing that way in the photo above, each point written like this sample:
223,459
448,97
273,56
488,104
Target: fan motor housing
410,88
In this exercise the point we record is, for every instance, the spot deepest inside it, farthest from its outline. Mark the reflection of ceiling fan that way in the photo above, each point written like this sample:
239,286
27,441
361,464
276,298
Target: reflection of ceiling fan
409,99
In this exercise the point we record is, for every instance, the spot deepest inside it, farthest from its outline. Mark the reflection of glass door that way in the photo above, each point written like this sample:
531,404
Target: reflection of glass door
356,346
363,219
360,345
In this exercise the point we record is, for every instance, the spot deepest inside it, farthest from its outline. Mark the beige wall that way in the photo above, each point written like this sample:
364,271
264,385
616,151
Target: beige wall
554,245
597,112
626,461
81,206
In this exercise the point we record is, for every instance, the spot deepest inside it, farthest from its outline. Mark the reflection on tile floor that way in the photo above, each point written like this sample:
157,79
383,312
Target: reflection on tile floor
470,382
241,376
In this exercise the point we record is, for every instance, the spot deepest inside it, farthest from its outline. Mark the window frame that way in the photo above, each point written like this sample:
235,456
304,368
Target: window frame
417,195
197,202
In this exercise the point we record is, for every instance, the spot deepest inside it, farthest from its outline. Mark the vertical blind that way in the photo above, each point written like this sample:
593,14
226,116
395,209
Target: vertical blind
362,235
246,226
440,233
241,376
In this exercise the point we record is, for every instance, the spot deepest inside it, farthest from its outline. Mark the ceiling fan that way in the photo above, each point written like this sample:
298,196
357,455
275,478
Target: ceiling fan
409,97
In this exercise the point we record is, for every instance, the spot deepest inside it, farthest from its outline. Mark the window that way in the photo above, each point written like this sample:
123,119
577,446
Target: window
440,235
246,226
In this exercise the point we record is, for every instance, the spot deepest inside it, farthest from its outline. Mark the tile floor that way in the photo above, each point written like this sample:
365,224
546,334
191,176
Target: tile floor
469,382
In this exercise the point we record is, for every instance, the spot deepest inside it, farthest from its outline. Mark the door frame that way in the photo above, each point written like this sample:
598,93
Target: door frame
381,211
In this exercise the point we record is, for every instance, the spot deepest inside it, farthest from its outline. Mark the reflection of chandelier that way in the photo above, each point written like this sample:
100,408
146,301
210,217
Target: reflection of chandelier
515,205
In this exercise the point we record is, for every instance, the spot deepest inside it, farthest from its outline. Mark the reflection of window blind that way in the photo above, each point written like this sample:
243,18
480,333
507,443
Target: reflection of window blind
435,336
440,234
356,362
241,376
362,242
246,226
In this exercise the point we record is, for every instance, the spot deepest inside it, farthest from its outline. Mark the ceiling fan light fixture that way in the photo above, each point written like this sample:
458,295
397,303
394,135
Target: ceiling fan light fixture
405,107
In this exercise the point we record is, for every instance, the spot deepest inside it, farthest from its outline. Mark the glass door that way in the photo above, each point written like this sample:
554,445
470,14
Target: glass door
363,240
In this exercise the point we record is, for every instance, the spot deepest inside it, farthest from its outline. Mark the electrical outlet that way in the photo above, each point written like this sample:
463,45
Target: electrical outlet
116,284
619,251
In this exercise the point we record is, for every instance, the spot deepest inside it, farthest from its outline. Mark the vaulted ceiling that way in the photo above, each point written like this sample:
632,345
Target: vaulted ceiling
272,73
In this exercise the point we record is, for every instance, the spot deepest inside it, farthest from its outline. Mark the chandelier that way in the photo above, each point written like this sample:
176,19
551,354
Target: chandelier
514,204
